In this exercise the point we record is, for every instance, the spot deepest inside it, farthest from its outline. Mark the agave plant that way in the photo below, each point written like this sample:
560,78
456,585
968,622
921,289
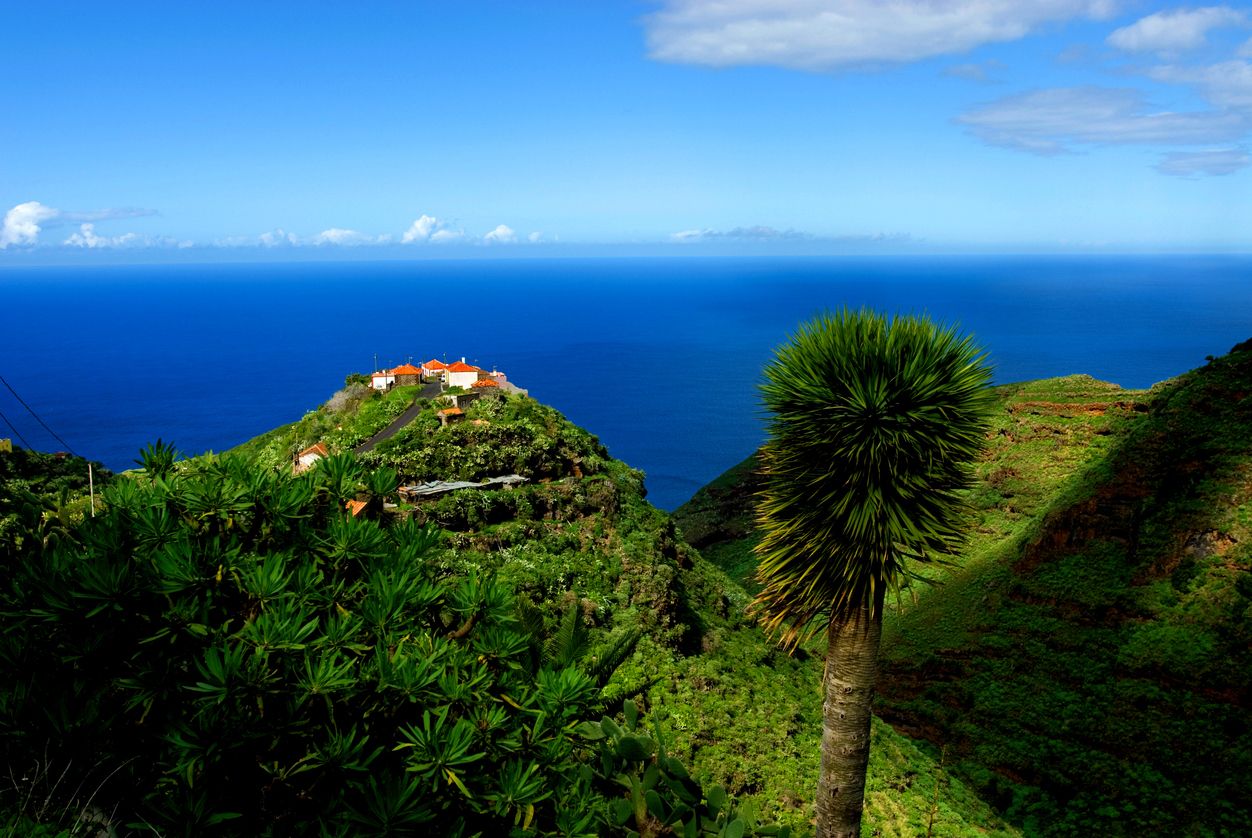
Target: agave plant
875,424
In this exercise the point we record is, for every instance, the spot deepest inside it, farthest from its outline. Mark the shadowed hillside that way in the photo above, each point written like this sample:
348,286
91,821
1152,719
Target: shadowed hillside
1087,666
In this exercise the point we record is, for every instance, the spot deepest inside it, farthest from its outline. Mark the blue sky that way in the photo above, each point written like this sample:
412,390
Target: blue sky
299,130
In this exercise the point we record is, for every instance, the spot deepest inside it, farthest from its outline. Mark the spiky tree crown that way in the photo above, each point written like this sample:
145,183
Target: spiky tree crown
875,423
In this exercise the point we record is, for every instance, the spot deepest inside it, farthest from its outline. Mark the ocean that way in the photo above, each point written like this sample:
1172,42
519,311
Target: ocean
661,358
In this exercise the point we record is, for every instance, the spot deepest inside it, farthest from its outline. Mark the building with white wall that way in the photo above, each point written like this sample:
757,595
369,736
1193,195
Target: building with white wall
461,374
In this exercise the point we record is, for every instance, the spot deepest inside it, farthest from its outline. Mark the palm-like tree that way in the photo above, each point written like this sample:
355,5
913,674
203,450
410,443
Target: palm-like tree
875,424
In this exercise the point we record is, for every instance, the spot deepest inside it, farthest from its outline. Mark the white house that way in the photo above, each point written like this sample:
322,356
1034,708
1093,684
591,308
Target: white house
434,368
461,374
382,379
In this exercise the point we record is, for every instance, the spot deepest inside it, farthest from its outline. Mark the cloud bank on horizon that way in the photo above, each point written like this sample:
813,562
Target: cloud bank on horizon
24,223
763,234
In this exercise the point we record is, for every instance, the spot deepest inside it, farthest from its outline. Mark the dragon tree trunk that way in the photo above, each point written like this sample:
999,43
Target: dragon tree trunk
848,685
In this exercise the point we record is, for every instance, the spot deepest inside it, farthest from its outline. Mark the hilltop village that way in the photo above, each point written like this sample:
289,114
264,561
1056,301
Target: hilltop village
453,385
457,374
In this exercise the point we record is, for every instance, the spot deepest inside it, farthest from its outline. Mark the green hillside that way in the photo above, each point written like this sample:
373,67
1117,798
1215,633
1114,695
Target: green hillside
45,492
215,560
1086,667
745,715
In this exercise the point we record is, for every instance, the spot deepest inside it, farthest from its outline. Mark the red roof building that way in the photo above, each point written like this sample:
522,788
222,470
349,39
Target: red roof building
406,369
306,459
317,448
485,383
450,414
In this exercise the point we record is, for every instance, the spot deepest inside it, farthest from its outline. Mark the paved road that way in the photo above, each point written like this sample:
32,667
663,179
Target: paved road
428,391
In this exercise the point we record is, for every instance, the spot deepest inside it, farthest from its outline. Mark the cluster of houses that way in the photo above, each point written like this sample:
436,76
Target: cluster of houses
474,382
457,374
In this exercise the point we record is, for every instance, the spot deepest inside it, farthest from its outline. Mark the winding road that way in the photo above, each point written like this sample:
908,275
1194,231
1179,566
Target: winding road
428,391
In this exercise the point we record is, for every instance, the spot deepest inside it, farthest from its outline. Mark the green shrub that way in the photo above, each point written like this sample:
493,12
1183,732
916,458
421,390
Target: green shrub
225,651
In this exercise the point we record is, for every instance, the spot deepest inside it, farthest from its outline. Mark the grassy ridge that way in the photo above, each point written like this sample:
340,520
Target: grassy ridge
1087,666
1092,666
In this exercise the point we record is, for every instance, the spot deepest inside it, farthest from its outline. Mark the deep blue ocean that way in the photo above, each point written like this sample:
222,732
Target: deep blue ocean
660,358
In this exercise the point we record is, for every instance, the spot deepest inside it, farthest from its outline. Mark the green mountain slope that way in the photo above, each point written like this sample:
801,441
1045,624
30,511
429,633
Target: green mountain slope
1087,666
579,537
743,714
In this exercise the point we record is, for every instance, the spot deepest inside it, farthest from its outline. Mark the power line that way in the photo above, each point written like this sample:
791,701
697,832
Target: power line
32,412
14,430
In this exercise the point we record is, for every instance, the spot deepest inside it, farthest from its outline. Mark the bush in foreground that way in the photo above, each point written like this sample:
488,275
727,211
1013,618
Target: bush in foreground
224,650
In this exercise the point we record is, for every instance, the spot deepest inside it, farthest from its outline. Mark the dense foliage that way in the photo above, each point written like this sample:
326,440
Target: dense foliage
45,490
742,713
225,650
711,690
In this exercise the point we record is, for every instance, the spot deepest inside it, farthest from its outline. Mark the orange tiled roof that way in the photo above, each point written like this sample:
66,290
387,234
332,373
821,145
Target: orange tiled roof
381,374
356,507
434,364
461,366
486,382
315,448
451,411
406,369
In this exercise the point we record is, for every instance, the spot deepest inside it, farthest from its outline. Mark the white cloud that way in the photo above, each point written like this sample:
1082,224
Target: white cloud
1228,84
501,235
1053,121
762,234
421,229
278,238
427,228
22,224
535,238
756,233
346,238
1059,120
107,214
1174,31
1245,50
984,72
1223,161
835,34
86,237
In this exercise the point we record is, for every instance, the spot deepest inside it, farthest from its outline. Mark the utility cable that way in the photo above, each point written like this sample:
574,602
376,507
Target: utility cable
32,412
15,432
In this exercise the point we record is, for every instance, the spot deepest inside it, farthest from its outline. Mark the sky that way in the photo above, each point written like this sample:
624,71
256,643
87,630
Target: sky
180,131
